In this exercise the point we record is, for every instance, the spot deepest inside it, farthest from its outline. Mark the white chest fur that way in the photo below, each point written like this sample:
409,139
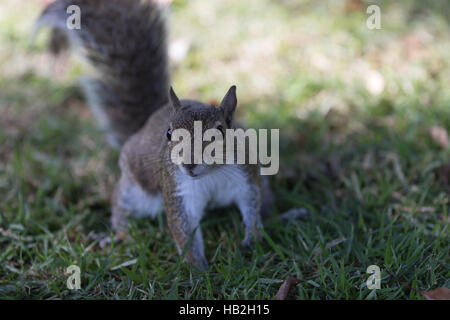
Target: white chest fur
220,187
139,202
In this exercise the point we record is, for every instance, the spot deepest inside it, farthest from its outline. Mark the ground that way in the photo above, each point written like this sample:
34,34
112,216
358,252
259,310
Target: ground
364,148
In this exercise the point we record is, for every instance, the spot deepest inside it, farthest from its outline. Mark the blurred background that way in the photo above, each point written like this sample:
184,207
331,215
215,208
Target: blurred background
364,114
291,60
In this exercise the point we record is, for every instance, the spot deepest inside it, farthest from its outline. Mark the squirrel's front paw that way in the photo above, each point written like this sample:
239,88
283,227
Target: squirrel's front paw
253,233
251,238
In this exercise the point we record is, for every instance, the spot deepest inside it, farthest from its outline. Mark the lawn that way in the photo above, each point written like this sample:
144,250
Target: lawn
363,116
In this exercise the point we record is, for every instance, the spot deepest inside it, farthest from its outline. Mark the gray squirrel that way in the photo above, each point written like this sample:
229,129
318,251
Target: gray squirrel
126,43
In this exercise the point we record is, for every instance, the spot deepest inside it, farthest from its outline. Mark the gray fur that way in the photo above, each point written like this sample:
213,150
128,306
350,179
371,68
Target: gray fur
126,42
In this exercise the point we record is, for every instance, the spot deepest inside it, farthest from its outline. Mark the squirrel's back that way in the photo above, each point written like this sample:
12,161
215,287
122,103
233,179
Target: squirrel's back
126,43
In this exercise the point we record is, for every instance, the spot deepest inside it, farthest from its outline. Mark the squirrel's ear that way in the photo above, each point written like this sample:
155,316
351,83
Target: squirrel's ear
176,104
228,104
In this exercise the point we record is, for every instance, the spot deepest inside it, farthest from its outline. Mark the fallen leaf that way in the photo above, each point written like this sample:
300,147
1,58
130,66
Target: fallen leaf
440,136
442,293
285,287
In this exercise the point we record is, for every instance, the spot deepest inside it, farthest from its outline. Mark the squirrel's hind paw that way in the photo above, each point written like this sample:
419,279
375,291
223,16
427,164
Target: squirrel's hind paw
250,239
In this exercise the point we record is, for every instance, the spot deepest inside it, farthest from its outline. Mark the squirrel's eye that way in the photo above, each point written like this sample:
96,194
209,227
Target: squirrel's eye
169,134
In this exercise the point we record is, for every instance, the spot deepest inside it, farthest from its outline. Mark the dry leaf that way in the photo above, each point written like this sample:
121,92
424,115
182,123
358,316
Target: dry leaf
442,293
439,136
285,287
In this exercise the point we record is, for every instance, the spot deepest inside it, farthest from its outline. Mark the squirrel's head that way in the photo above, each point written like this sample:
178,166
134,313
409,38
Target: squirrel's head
188,115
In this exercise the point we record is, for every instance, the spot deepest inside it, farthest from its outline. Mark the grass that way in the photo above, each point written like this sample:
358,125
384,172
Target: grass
361,160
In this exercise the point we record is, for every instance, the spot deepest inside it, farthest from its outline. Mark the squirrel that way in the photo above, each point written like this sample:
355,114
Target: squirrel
126,43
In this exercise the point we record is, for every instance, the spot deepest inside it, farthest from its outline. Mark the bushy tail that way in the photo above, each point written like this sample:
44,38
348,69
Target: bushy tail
126,43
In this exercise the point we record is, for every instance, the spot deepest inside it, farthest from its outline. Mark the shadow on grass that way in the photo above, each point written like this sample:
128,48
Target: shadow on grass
377,154
367,177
